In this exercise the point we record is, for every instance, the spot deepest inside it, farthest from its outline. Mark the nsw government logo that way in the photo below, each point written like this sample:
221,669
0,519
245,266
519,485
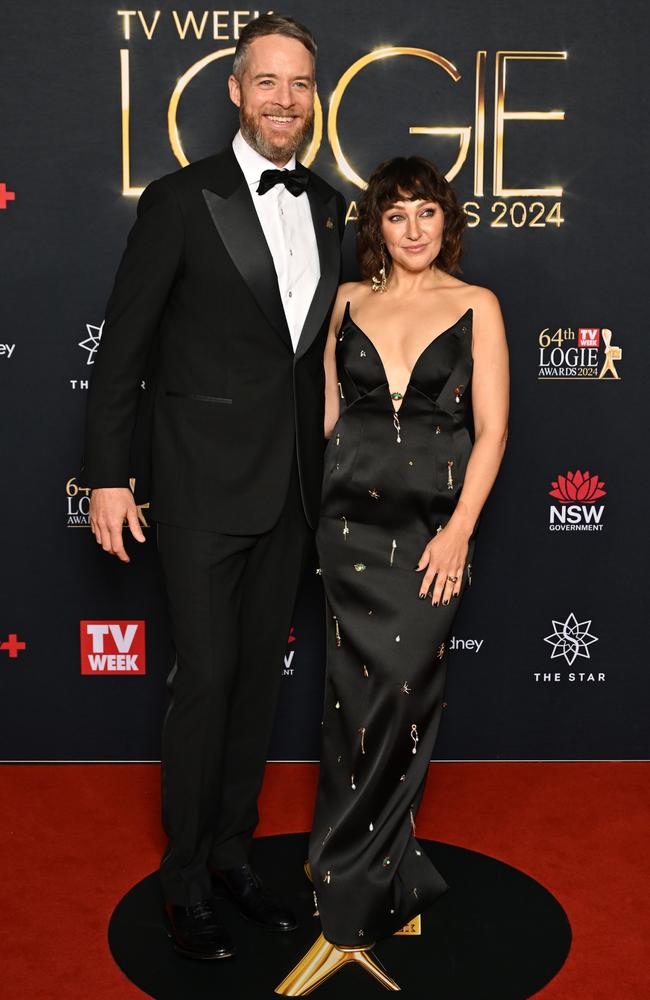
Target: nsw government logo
113,647
577,510
589,353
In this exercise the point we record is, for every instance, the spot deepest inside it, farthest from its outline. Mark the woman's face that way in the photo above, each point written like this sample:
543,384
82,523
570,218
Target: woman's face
412,232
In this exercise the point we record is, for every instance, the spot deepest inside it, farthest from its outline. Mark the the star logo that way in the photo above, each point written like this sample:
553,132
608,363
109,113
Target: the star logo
571,639
91,343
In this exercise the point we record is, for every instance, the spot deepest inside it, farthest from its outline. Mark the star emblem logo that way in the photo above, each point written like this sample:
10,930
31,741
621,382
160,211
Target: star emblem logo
91,343
571,639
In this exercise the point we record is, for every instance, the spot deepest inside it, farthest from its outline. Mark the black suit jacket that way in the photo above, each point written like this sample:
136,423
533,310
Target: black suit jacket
196,312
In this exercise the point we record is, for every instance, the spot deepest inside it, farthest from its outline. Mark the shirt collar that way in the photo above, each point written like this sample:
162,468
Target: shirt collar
252,163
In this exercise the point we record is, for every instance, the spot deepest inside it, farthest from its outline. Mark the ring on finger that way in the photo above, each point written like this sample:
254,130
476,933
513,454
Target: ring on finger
453,579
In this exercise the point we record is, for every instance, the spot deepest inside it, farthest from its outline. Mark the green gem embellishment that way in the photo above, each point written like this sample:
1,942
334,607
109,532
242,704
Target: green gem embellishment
396,395
359,567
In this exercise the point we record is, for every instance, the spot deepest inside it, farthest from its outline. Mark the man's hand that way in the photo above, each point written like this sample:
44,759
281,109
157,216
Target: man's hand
109,508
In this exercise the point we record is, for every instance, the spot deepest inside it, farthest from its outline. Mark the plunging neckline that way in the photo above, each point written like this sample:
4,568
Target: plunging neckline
422,353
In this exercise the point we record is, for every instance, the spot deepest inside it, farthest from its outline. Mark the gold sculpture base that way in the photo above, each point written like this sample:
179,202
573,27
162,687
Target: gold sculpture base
322,961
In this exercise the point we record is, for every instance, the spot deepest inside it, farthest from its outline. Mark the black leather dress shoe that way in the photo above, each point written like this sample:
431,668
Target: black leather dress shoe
196,932
254,901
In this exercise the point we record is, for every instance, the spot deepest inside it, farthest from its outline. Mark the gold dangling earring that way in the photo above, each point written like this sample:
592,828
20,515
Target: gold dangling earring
379,284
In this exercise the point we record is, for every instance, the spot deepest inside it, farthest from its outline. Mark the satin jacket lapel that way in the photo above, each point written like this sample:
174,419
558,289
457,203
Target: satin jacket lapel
329,251
234,216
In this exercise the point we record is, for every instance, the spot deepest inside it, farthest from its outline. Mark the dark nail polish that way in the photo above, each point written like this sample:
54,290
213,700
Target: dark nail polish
435,604
445,603
422,596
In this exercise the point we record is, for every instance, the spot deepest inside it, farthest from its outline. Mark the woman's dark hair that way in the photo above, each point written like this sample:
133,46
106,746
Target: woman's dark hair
271,24
407,179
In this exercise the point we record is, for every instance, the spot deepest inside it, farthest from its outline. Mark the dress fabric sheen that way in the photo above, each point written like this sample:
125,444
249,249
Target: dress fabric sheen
383,499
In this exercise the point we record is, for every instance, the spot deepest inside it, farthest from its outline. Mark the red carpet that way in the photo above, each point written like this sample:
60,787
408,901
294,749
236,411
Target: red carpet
75,838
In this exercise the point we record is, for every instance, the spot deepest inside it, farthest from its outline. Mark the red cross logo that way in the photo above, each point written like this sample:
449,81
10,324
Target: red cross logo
13,646
6,196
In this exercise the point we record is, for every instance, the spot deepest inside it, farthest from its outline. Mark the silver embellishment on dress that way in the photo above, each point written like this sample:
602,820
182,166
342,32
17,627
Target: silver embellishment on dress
362,354
365,670
361,933
438,529
469,573
392,551
396,425
403,778
319,572
397,638
346,530
316,913
339,758
337,631
457,392
329,830
327,877
340,390
352,784
362,734
450,478
338,440
418,852
338,704
371,827
374,494
386,862
440,652
415,893
359,567
415,738
405,689
412,820
438,428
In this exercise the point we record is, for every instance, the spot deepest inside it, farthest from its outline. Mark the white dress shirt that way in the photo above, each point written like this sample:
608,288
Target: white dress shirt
289,230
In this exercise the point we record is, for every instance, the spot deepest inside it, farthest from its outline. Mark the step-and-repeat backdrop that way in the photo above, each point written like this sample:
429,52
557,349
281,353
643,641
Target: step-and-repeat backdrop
537,112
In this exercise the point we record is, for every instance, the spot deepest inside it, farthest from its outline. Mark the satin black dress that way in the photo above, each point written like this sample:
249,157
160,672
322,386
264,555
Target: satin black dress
391,481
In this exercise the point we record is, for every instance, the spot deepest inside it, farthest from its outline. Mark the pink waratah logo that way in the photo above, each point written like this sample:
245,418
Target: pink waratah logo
577,487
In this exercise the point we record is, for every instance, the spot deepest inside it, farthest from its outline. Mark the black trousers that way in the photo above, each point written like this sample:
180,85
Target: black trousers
231,598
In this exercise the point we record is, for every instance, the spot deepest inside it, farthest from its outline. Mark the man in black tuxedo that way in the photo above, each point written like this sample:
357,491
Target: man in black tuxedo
224,292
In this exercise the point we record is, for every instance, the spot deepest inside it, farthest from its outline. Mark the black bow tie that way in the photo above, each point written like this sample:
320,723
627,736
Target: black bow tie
295,181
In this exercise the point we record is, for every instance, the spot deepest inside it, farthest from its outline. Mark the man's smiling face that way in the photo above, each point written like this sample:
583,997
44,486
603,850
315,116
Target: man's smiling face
275,96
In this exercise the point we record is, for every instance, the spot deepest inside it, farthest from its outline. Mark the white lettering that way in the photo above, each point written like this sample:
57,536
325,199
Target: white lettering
114,662
97,632
124,640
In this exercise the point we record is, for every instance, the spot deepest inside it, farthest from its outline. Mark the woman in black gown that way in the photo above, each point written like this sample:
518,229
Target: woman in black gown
417,397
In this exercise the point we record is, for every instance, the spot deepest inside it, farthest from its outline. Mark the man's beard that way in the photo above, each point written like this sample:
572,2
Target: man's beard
282,150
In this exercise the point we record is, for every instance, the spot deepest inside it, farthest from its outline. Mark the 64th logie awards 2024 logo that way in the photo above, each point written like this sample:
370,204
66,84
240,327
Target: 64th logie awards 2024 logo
588,353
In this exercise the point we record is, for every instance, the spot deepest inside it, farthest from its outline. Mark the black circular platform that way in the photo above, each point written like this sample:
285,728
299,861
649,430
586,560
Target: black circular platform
495,935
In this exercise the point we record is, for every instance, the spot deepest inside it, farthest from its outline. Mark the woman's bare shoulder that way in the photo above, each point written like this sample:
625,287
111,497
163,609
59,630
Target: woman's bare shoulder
352,292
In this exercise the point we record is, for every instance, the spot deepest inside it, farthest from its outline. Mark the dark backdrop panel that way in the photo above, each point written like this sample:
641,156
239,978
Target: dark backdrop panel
564,262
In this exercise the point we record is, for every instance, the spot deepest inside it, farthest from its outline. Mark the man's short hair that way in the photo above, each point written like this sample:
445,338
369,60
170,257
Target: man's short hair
271,24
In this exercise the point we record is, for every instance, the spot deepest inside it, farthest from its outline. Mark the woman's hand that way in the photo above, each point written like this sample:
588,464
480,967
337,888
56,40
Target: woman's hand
444,559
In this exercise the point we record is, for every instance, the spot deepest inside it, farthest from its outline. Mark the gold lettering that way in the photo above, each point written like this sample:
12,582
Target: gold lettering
127,15
218,26
464,133
501,116
238,25
479,124
190,20
145,27
125,89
